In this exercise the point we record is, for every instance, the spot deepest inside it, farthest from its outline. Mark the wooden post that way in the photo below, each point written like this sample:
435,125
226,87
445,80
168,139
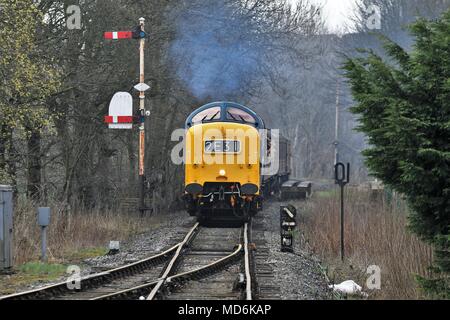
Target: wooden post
142,125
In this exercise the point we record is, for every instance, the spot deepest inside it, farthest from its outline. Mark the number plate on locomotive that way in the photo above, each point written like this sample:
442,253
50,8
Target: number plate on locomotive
222,146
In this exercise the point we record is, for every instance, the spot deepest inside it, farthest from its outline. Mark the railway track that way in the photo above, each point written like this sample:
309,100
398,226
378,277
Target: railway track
93,287
216,266
206,264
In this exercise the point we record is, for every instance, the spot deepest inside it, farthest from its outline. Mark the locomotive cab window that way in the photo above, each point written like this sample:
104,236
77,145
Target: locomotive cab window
224,112
239,115
211,114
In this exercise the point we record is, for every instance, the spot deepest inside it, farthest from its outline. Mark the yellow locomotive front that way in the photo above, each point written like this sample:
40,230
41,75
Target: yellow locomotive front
222,162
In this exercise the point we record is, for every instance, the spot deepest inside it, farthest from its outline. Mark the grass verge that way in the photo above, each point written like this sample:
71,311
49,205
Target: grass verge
375,233
72,236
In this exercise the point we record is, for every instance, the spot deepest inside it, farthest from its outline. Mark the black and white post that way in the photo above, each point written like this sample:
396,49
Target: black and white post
342,177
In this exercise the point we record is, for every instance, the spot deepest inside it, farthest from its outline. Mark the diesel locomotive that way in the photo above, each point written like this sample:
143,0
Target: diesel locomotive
224,168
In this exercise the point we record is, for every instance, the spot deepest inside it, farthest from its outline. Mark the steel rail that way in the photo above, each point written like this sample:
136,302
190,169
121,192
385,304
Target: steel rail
201,272
188,275
172,262
48,289
126,291
248,277
181,277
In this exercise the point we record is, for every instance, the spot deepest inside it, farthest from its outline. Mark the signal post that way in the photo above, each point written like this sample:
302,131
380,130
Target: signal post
142,121
117,122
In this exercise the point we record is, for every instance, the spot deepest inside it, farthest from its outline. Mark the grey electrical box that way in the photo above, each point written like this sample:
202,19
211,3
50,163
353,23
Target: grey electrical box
6,227
44,217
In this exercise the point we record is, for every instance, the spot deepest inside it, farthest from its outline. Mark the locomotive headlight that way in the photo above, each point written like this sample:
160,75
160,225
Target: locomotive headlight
222,172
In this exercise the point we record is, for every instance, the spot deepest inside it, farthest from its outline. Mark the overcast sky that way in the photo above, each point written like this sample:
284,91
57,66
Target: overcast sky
336,12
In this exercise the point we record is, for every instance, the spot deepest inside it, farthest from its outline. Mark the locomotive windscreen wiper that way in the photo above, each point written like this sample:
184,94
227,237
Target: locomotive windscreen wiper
234,118
245,121
212,118
231,115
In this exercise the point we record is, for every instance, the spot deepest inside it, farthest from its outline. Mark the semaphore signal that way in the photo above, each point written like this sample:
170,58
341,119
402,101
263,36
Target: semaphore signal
118,119
137,33
118,35
121,105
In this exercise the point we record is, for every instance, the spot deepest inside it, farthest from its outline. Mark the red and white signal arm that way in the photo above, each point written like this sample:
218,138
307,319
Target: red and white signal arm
120,111
116,35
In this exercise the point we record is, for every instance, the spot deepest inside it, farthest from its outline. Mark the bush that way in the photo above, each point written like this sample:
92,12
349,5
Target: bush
404,109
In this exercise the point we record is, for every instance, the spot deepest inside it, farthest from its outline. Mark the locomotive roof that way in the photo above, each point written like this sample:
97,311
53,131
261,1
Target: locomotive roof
224,113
